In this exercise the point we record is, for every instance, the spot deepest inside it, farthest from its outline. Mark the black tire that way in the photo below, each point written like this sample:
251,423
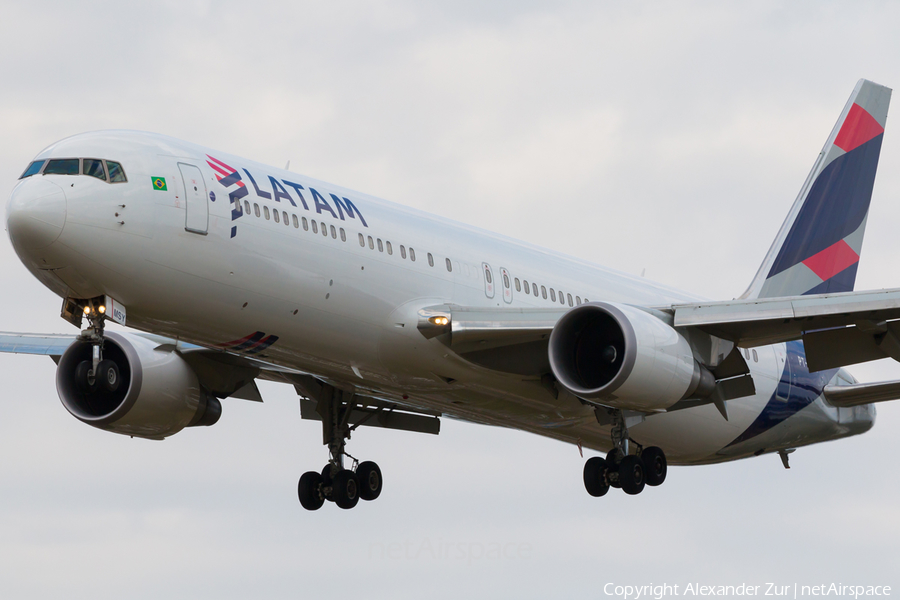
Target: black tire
613,460
108,375
83,381
309,490
631,475
369,476
655,465
345,489
326,483
595,481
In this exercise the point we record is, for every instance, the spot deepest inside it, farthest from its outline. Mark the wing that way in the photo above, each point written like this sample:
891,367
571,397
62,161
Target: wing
836,329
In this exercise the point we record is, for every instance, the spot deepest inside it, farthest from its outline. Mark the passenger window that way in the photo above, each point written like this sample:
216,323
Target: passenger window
562,298
527,287
746,354
64,166
552,295
266,211
430,260
402,251
256,209
32,169
487,274
116,173
277,218
362,241
505,280
518,286
247,206
380,245
390,249
333,233
534,289
315,227
412,255
305,224
285,216
578,300
343,235
324,229
371,243
93,167
570,300
543,292
755,356
449,266
296,222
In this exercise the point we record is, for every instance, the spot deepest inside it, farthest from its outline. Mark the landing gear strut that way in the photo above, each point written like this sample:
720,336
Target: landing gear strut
345,487
96,374
621,468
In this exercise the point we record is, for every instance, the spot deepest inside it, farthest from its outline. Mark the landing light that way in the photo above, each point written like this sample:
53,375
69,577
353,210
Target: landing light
440,320
102,309
87,310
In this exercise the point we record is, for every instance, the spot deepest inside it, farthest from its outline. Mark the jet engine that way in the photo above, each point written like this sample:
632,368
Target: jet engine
624,357
149,392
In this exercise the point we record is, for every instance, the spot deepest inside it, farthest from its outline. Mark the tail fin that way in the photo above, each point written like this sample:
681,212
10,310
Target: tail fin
817,249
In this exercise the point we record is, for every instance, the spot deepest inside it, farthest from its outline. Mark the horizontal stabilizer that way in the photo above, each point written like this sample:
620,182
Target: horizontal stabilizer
862,393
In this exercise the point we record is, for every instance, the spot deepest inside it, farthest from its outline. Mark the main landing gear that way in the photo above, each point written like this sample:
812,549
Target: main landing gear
621,468
344,487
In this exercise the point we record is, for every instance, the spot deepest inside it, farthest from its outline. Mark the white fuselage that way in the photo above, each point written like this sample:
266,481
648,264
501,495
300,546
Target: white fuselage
344,311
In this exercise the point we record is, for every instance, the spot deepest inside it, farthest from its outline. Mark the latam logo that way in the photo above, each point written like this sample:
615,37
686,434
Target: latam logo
230,177
252,344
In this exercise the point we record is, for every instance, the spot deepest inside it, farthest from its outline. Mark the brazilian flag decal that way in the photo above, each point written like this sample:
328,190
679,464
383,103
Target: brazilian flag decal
159,183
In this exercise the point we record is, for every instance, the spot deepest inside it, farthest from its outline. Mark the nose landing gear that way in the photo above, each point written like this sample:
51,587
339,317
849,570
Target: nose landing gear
620,468
98,373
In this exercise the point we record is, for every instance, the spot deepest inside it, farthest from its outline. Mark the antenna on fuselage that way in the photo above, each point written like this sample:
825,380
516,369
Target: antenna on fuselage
287,166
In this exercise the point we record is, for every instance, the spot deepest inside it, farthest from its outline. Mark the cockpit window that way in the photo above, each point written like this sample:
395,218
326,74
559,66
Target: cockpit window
116,174
94,168
62,166
33,168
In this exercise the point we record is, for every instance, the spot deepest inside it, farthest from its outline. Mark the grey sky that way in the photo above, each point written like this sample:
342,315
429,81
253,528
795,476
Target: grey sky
664,136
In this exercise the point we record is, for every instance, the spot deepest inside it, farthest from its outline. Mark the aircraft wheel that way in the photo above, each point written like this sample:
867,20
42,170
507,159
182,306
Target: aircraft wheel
631,475
83,380
595,477
108,375
654,460
345,489
613,459
309,490
369,476
326,483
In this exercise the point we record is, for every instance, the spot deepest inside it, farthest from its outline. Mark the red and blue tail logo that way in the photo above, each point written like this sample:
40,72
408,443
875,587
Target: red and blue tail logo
817,250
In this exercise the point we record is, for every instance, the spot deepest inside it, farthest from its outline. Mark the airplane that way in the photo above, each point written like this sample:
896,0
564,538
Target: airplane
224,271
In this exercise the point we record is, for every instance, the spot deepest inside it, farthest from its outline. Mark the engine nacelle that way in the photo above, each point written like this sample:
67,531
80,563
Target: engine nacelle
623,357
158,393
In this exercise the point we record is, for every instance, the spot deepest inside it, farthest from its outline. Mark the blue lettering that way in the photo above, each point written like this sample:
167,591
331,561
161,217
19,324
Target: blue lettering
349,208
259,192
321,203
280,192
297,187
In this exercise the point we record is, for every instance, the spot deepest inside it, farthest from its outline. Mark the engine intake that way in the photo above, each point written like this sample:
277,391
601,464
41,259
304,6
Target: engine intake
623,357
158,393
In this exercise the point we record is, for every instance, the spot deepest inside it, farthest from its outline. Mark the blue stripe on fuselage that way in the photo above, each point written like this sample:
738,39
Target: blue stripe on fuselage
797,389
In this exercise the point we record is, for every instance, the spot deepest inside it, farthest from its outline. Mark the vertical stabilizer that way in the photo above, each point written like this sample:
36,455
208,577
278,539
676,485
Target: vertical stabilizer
817,249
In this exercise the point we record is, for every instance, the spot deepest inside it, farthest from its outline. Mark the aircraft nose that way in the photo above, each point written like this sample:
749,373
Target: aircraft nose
35,213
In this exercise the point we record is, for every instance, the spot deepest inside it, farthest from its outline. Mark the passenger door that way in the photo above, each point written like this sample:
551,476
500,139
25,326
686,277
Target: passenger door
196,207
